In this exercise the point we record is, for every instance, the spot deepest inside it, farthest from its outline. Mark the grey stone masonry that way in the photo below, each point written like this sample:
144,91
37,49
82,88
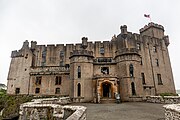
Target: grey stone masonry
51,108
172,112
165,99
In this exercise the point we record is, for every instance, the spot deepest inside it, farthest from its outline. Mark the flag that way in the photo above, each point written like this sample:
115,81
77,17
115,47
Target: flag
145,15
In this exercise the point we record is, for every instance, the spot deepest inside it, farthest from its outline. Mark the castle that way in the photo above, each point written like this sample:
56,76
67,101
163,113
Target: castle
132,65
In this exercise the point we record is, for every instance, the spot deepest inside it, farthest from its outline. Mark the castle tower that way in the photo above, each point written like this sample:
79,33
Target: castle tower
155,53
81,73
128,65
18,76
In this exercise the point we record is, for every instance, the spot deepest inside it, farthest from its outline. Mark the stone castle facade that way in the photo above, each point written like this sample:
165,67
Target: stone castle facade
132,65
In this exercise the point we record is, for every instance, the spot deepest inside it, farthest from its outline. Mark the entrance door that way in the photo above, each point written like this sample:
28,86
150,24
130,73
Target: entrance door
106,90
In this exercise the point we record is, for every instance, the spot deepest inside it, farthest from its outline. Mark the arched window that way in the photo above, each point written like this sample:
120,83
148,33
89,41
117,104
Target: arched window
133,88
131,70
79,90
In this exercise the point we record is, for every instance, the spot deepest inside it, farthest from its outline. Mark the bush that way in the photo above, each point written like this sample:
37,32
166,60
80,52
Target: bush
168,94
11,104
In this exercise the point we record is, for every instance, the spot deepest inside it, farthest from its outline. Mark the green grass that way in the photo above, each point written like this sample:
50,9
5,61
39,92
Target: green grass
11,104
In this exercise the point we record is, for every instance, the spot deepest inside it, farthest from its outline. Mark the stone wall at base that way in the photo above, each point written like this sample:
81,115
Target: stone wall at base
51,108
164,100
172,112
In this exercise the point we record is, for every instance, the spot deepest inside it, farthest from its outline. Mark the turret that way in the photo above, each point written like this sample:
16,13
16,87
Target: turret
123,30
84,42
33,45
81,72
153,30
25,44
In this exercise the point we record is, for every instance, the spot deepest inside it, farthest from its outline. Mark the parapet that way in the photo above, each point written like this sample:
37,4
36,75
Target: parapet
81,53
16,53
151,24
153,30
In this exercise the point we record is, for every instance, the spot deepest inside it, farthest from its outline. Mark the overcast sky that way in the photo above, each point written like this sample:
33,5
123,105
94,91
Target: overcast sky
67,21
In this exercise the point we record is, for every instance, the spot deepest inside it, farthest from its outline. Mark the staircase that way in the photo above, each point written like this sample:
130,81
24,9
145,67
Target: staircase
108,100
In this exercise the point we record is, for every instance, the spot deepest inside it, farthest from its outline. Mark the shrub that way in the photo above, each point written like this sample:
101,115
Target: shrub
168,94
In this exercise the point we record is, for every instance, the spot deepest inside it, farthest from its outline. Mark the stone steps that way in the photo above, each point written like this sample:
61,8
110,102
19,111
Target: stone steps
108,100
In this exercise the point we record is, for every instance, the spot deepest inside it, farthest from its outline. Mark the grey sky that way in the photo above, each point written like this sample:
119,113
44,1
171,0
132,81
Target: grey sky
66,21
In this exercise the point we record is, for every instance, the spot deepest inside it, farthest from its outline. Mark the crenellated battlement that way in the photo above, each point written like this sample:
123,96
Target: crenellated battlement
151,24
16,53
153,30
81,53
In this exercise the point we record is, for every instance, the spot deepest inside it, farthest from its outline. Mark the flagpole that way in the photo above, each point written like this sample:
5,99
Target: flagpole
150,19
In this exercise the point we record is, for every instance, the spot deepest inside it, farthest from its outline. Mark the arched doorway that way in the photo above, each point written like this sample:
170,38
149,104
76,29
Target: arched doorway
106,90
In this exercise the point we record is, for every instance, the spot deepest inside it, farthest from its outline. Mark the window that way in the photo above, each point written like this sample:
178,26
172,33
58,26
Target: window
38,80
101,50
61,63
67,66
141,61
43,57
57,91
157,62
105,70
79,72
79,90
133,88
58,80
37,90
138,46
154,49
159,79
44,54
143,78
17,91
131,70
61,53
26,56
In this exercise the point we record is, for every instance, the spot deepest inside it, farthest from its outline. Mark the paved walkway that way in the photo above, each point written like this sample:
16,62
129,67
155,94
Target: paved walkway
124,111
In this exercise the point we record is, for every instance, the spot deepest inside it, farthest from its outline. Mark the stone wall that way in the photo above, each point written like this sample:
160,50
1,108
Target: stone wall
165,99
51,108
172,112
